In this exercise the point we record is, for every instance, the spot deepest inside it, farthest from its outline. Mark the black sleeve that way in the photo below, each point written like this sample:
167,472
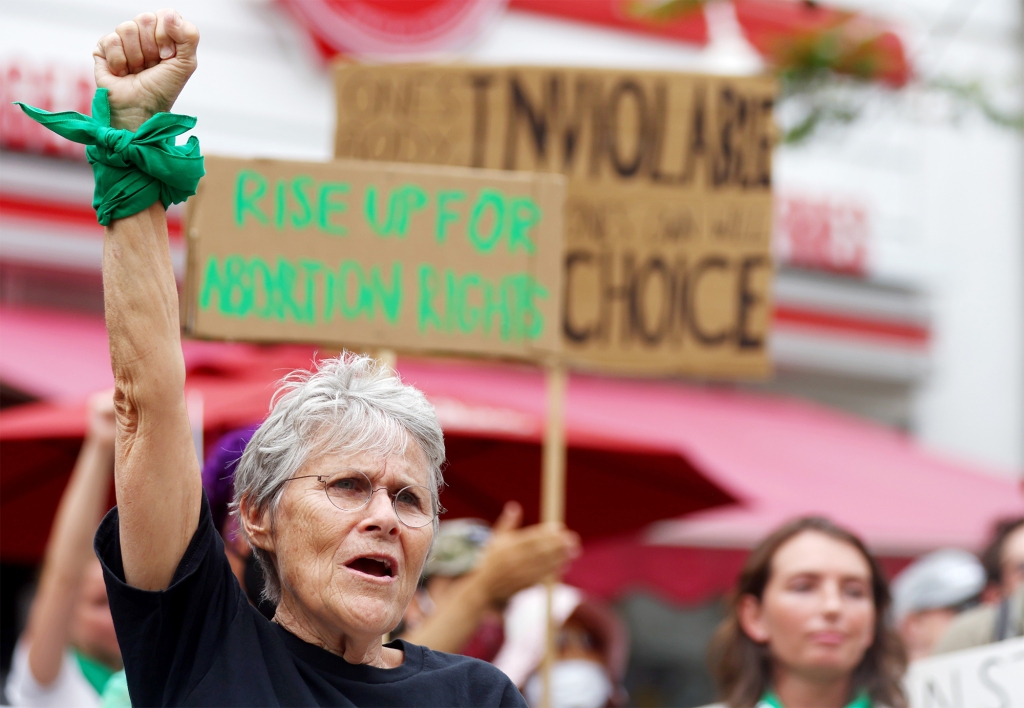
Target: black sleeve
169,638
512,698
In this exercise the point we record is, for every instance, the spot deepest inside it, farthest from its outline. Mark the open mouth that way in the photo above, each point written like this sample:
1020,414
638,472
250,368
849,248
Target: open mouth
377,567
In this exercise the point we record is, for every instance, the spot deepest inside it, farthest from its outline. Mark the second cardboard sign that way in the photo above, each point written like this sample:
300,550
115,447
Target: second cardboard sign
668,214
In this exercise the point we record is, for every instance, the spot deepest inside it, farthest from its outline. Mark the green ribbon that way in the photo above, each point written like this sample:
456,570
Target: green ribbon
132,170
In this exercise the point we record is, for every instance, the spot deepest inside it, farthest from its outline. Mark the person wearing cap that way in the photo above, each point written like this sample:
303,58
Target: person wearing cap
481,596
1003,616
473,571
930,592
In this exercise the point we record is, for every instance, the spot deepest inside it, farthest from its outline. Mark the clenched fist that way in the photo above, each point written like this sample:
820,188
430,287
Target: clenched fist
144,63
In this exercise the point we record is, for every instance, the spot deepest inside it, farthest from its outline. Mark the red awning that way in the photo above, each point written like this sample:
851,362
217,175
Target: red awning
493,443
704,446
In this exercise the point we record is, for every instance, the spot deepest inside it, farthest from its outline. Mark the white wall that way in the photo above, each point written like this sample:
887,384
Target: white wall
967,211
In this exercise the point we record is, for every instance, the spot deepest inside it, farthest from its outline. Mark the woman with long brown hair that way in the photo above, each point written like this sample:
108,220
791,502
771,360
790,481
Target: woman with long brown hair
807,627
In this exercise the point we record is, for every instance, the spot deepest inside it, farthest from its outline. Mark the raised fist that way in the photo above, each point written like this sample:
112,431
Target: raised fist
101,417
144,64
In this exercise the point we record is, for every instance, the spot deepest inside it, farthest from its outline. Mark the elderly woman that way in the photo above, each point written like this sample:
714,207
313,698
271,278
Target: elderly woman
336,492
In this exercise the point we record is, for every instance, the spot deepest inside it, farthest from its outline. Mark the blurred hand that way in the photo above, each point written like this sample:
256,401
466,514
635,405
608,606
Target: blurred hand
518,558
144,63
101,417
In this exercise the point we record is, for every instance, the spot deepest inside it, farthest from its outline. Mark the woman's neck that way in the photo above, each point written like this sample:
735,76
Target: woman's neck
354,650
796,690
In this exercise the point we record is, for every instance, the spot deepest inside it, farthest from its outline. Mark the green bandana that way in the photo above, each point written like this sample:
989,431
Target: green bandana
132,170
771,700
95,673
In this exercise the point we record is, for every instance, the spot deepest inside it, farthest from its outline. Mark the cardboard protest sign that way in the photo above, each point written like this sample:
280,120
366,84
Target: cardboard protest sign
668,215
991,675
429,259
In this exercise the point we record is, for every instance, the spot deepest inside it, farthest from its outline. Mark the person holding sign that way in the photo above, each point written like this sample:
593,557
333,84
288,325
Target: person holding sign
807,626
336,492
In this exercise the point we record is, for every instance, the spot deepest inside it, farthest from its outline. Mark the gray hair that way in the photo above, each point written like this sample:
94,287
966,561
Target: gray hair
349,404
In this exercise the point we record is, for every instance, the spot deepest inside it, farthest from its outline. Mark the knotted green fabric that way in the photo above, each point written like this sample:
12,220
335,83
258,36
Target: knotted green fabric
132,170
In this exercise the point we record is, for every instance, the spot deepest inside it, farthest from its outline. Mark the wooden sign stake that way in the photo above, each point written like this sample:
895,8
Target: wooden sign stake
388,356
552,501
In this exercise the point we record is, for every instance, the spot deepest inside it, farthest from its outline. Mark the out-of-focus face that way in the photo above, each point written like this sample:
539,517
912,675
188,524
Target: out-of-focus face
1013,562
817,614
92,627
921,631
354,572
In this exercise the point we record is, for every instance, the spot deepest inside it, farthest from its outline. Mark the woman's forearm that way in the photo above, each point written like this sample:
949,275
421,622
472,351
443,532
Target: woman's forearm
141,305
156,471
68,552
455,620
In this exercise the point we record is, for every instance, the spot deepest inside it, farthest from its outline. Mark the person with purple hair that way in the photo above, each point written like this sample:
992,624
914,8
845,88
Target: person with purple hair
219,483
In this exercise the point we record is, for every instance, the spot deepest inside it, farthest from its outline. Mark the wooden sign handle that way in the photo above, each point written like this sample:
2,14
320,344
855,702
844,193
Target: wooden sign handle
552,500
387,356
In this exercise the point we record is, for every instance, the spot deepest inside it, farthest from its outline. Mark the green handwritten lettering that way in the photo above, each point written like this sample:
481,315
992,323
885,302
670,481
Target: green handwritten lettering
445,215
305,215
260,271
309,271
489,198
280,204
496,305
428,314
213,283
469,315
245,201
525,215
389,299
351,307
411,199
370,207
326,205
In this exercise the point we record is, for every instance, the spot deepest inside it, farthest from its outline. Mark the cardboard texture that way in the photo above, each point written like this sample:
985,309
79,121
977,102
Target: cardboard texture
367,255
668,216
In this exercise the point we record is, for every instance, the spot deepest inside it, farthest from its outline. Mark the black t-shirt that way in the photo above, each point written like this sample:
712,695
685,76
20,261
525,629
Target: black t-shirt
201,643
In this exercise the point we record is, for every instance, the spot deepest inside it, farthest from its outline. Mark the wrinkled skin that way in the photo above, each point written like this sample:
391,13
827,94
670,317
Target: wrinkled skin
323,601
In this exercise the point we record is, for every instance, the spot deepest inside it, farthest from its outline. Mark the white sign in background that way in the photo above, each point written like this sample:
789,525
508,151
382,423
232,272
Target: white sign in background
991,676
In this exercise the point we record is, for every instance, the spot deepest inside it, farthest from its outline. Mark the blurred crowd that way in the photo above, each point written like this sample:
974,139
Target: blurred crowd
813,619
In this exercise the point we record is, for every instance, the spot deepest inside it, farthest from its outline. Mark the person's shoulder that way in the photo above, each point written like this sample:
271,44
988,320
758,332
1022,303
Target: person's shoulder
478,682
972,628
70,688
434,660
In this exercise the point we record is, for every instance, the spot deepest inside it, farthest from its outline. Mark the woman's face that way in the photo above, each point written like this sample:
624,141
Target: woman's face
92,627
352,572
817,615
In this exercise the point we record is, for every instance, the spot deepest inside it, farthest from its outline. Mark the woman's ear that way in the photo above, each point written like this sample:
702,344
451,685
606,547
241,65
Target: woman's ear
750,614
257,525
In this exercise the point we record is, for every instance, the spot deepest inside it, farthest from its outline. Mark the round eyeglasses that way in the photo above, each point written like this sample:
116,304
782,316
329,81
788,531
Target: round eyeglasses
351,490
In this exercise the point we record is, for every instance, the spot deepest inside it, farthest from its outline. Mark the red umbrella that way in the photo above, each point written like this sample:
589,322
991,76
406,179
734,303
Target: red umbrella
492,416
